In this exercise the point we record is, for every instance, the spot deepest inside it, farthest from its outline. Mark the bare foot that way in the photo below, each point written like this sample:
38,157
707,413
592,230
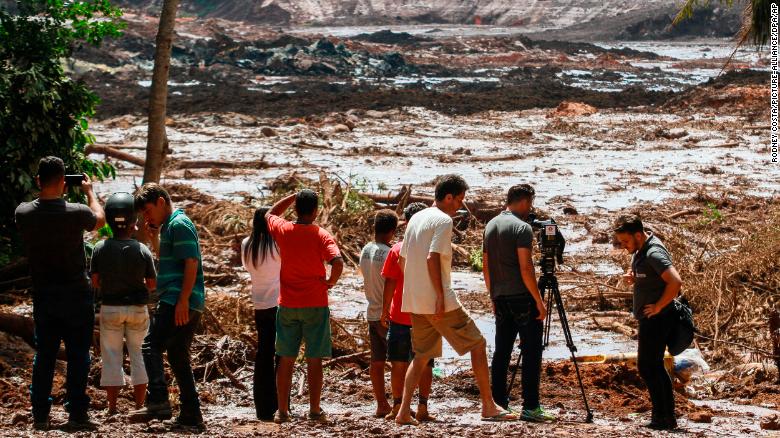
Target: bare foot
393,413
423,414
491,410
382,410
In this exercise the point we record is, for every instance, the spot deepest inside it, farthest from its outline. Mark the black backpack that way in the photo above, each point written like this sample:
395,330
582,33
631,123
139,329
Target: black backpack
681,335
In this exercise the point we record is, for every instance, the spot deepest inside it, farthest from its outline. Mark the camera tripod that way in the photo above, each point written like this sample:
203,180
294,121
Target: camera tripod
548,284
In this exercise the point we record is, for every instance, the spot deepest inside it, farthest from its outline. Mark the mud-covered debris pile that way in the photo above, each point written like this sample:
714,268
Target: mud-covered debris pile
284,55
389,37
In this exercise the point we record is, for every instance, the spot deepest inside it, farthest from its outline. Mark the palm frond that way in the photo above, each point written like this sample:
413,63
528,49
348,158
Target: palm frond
687,9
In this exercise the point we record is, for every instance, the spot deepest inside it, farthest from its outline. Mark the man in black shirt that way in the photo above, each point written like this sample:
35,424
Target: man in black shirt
656,283
53,234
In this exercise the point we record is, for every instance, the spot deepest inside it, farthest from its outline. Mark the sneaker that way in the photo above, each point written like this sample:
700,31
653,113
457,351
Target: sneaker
79,423
537,415
152,411
663,424
186,420
41,425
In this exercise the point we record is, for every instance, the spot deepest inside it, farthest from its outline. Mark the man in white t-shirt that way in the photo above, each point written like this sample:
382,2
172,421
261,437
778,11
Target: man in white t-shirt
426,258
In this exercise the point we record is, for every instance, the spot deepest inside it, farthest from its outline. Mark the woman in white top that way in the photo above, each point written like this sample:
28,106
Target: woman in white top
260,257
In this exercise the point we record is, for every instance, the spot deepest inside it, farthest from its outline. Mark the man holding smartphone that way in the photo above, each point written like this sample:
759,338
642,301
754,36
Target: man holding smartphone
53,234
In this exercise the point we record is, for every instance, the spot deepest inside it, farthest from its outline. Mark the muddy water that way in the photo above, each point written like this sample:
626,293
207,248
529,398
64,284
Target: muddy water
598,163
347,300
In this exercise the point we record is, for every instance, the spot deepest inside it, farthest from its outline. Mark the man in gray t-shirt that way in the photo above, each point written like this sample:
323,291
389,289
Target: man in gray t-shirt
504,235
519,308
656,283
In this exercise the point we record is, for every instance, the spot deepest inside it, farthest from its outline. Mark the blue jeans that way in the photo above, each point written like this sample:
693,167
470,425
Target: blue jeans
68,318
165,336
517,316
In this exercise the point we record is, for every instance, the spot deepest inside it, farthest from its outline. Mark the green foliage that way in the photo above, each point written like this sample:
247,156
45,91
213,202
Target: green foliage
106,232
687,9
711,214
475,259
42,111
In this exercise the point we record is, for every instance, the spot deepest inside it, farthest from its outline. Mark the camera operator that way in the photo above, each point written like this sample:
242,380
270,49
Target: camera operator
656,283
519,308
53,234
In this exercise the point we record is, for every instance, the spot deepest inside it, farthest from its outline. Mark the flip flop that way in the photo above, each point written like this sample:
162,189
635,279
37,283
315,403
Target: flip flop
503,416
411,422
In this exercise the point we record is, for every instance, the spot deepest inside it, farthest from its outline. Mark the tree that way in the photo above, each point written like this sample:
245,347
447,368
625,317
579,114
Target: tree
157,141
42,110
755,19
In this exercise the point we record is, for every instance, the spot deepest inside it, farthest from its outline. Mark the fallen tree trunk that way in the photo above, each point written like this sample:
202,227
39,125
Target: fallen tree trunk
114,153
346,358
212,164
18,325
24,327
194,164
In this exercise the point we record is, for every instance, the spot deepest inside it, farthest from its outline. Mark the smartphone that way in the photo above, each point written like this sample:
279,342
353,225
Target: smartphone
74,180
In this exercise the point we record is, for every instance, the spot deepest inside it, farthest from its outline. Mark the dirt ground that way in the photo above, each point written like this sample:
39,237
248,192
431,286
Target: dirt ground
370,121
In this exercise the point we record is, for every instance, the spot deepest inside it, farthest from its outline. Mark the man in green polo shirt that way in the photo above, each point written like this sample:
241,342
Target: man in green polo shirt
182,300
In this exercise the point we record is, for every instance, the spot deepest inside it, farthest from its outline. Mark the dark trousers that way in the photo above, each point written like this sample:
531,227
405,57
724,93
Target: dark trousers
264,388
653,335
517,317
165,336
69,319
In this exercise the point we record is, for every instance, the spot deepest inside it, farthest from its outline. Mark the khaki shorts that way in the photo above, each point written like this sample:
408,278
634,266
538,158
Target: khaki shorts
456,326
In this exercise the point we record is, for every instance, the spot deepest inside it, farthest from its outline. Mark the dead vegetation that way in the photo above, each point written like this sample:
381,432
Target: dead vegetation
725,246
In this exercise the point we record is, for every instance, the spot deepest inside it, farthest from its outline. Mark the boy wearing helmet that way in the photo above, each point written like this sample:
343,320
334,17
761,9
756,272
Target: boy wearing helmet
123,274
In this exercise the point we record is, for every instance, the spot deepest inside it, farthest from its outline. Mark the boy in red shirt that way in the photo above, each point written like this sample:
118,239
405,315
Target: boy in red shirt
303,313
399,338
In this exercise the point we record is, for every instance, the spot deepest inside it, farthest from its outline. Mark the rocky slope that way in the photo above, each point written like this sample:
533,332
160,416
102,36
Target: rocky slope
538,14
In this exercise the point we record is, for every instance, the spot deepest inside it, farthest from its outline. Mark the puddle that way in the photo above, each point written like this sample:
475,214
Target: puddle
347,300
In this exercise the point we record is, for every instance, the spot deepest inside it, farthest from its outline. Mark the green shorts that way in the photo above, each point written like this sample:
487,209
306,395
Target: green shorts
308,324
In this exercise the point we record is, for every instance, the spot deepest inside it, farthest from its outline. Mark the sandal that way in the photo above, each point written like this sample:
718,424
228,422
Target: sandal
320,416
411,422
282,417
502,416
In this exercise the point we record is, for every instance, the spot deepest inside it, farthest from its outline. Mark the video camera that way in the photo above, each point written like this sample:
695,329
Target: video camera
551,242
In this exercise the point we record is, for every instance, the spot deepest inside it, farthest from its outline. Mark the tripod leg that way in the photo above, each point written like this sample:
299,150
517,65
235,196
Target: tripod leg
514,373
572,348
548,318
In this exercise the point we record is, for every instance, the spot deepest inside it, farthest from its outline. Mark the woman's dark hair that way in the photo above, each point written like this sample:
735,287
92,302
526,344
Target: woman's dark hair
260,241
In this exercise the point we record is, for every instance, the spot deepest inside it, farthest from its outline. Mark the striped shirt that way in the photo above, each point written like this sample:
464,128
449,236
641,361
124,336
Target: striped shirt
179,241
